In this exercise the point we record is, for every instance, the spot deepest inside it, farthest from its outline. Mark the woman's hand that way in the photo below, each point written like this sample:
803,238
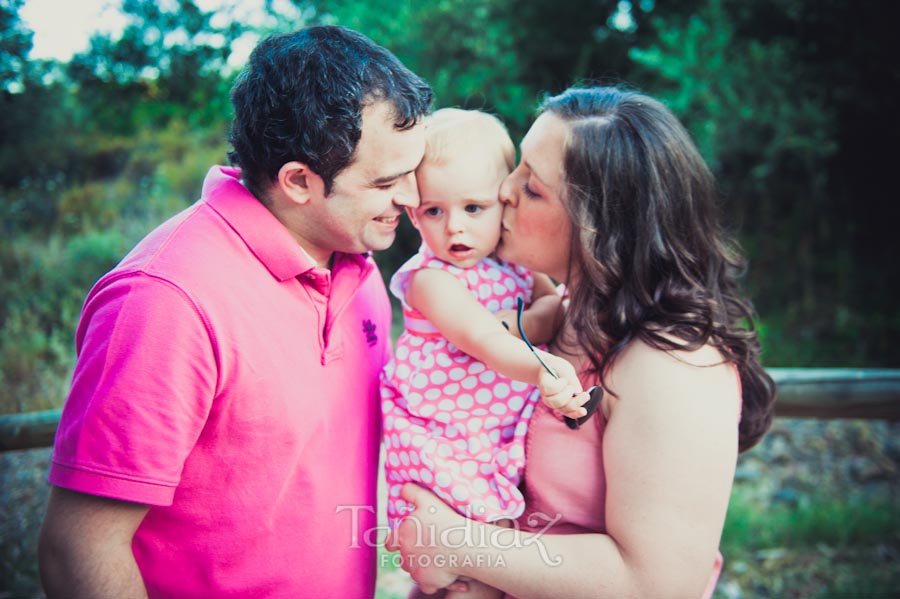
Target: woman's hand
565,393
420,537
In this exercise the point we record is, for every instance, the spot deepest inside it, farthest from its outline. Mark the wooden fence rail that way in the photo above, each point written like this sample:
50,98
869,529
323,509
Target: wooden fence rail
802,393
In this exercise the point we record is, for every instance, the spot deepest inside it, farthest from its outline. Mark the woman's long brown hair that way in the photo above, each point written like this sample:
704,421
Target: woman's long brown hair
653,260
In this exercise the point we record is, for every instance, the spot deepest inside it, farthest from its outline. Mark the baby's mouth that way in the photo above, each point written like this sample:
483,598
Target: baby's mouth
458,247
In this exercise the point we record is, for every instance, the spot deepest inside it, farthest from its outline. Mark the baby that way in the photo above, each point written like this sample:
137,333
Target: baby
459,392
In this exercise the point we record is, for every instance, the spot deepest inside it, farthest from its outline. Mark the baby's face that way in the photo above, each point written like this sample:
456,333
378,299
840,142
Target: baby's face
460,214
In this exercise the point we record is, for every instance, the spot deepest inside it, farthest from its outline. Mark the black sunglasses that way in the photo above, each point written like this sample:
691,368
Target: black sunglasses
596,392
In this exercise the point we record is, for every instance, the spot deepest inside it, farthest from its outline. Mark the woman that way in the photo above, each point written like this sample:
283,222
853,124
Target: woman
612,198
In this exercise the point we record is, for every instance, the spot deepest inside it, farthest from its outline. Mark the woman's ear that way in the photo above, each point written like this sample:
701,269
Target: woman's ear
299,183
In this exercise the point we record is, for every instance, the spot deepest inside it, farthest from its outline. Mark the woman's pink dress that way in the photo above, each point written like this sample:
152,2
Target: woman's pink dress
450,423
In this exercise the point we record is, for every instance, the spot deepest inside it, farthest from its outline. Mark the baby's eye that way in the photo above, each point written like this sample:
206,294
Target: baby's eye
433,211
473,208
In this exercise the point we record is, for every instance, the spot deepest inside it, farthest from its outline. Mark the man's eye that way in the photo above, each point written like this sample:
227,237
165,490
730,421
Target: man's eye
387,186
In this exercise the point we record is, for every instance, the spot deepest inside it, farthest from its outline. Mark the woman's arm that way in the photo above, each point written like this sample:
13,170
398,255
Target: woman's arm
468,325
669,449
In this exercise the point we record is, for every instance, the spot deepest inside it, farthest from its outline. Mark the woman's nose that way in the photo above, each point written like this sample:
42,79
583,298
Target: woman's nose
507,192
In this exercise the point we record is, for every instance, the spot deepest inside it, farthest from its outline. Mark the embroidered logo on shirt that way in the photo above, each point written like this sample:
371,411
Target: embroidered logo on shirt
369,330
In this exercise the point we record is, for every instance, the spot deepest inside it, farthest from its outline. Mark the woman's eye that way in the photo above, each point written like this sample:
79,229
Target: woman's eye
527,191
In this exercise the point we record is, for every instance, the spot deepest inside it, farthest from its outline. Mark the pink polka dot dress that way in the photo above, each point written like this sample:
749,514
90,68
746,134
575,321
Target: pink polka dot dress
450,423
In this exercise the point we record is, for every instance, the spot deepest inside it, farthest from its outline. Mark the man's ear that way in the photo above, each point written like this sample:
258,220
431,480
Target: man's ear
299,182
412,216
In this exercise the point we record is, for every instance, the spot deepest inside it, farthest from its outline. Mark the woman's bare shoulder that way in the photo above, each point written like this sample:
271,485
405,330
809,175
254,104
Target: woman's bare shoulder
648,374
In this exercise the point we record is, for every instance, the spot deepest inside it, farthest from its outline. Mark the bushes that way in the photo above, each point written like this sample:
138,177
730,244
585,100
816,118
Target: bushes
49,264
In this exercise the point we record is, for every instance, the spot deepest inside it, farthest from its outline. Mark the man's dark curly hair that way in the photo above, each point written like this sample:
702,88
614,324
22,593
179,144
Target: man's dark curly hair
301,97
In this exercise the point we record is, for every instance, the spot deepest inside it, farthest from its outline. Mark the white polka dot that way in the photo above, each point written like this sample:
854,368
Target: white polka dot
483,396
444,451
451,431
476,367
460,493
494,436
470,468
446,405
432,394
515,403
474,425
427,411
491,422
444,360
498,408
469,383
501,390
442,417
487,469
499,289
402,371
487,377
425,475
442,479
418,441
464,401
516,451
399,423
414,399
416,341
457,374
393,460
492,305
414,458
474,445
480,485
472,277
507,303
479,412
460,444
404,458
484,290
519,386
402,352
451,389
502,459
438,377
511,284
419,380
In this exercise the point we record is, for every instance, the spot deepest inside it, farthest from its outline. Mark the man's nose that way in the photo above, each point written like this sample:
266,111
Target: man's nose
508,195
407,191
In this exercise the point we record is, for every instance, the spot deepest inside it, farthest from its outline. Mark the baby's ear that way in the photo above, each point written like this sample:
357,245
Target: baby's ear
411,213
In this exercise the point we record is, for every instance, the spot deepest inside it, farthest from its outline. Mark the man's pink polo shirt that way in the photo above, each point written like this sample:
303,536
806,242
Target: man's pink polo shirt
232,386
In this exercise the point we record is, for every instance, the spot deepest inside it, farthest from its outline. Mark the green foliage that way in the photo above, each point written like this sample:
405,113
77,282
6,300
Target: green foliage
15,43
36,327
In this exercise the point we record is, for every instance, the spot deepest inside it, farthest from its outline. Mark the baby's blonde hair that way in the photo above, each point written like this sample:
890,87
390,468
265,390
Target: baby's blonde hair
452,130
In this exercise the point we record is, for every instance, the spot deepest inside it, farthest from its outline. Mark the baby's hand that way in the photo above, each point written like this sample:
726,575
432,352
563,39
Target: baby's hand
564,394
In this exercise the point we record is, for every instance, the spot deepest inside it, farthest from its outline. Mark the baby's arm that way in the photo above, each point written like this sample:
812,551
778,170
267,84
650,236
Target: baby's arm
542,318
468,325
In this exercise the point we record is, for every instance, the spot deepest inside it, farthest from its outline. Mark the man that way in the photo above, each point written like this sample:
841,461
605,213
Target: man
221,435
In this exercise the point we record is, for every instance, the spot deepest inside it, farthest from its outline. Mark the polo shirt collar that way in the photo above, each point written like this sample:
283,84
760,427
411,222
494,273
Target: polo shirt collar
265,236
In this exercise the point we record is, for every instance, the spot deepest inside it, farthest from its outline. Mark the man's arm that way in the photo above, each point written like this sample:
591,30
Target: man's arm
85,547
